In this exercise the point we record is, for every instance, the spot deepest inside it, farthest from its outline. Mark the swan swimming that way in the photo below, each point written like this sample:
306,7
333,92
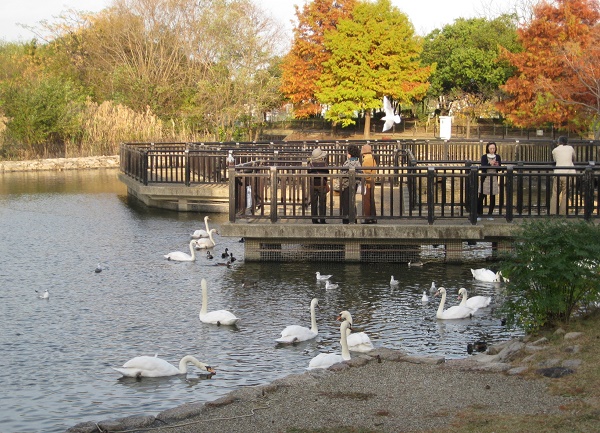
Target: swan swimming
45,295
486,275
393,281
297,333
217,317
201,233
454,312
357,341
390,117
326,360
206,242
474,302
151,366
180,256
322,277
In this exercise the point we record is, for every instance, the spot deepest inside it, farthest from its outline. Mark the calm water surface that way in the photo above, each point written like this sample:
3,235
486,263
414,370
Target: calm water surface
57,354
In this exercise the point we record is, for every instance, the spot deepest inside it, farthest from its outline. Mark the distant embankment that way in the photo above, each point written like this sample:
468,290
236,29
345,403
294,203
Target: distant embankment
58,164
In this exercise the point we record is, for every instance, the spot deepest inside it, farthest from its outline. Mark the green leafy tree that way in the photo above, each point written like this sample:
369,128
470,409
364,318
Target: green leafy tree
373,54
468,73
552,271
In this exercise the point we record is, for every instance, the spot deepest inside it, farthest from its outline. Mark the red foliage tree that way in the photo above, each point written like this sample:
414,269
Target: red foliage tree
556,68
303,65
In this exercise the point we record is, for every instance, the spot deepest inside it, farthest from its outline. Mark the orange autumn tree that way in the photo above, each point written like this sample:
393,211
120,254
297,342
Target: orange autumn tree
557,77
303,65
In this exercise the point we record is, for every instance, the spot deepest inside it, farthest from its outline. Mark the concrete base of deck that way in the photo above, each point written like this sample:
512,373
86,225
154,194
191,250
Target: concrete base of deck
383,242
200,198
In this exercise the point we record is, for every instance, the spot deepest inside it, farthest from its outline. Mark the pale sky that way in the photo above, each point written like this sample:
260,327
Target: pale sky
425,15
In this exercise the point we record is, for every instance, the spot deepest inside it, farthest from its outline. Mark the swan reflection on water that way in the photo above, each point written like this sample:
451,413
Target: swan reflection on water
154,384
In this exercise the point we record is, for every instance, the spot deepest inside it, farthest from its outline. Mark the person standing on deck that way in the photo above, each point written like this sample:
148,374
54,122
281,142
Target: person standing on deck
368,199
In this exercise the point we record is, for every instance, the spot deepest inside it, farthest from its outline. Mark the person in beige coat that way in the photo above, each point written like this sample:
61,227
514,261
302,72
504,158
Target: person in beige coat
368,198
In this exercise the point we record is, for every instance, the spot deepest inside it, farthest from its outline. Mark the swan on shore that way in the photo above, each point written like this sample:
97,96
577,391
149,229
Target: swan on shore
474,302
217,317
151,366
297,333
455,312
201,233
357,341
326,360
206,242
180,256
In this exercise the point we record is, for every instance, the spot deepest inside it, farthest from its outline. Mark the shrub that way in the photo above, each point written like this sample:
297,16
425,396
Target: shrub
553,270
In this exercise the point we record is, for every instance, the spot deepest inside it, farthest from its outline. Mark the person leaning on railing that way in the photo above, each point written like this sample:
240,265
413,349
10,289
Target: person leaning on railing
319,186
564,156
353,160
368,199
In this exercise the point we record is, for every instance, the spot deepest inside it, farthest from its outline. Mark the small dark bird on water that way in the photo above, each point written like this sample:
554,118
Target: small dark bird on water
478,346
209,255
225,254
231,258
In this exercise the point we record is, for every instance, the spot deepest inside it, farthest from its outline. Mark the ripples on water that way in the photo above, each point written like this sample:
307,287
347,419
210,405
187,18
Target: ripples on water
57,354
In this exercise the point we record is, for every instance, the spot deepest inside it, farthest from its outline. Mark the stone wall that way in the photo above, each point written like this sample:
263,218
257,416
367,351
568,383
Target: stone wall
59,164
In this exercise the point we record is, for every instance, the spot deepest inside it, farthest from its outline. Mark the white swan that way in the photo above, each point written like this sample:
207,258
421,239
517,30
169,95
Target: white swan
206,242
217,317
45,295
393,281
424,298
201,233
390,117
330,286
297,333
151,366
326,360
455,312
357,341
474,302
487,275
322,277
180,256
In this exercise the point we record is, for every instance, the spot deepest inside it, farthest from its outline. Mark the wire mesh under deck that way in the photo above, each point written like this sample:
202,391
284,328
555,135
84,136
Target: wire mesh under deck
377,251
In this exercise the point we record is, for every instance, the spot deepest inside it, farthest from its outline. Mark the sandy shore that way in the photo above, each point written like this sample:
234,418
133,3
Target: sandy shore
384,391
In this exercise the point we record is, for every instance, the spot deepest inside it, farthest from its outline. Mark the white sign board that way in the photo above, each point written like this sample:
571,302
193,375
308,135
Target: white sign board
445,127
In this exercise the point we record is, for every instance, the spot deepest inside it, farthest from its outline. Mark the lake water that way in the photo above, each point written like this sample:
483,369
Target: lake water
57,354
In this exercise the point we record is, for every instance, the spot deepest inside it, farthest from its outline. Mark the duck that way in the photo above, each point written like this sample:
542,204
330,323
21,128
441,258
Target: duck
478,346
201,233
326,360
100,267
486,275
418,263
225,254
393,281
322,277
296,333
206,242
179,256
357,341
474,302
231,258
45,295
217,317
330,286
152,366
209,256
455,312
424,298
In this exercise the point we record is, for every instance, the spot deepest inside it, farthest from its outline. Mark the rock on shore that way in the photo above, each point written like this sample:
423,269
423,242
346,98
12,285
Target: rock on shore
59,164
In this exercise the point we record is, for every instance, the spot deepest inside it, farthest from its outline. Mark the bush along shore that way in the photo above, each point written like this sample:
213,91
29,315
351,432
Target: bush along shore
59,164
517,385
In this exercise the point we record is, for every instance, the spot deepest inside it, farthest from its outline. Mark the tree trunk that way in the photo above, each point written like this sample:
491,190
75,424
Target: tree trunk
367,130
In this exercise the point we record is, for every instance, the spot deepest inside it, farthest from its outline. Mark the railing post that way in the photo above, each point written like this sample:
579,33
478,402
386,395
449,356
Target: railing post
588,188
473,192
430,195
510,172
233,199
145,167
274,199
186,157
520,191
